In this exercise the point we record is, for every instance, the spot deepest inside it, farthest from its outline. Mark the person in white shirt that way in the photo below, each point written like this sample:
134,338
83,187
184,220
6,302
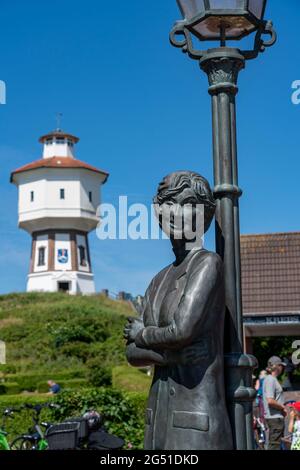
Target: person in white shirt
275,411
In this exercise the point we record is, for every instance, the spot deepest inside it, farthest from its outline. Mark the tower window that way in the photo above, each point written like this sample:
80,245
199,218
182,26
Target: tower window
49,141
31,196
82,256
41,256
70,143
60,140
90,196
62,194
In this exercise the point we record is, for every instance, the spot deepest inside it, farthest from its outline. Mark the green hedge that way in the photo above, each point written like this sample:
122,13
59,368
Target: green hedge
10,388
33,382
65,384
13,388
123,412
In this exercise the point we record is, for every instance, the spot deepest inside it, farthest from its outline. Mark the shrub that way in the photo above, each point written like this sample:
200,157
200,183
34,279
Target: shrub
71,332
8,369
99,375
76,349
110,352
13,333
123,412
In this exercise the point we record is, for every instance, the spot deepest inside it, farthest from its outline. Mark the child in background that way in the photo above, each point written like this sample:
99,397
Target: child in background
259,396
294,425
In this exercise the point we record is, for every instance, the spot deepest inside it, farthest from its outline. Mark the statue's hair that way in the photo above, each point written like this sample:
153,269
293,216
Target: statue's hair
175,183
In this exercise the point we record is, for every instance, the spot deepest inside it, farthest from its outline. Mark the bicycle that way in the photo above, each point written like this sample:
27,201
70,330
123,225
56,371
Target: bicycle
35,438
7,413
82,433
259,433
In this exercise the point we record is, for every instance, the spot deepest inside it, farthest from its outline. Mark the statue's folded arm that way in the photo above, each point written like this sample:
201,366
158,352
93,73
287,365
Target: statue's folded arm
141,357
192,311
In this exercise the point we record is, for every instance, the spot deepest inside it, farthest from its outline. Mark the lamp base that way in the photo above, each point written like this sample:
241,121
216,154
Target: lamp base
240,395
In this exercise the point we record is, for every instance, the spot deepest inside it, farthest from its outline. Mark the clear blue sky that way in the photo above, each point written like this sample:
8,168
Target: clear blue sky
142,110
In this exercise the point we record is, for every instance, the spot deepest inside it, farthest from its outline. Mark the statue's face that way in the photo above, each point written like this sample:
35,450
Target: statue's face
181,217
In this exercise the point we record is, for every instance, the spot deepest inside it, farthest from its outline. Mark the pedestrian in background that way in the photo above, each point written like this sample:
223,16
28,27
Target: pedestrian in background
259,396
54,388
294,425
273,400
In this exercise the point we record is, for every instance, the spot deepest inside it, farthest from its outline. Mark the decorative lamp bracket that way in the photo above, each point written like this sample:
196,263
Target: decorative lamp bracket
181,28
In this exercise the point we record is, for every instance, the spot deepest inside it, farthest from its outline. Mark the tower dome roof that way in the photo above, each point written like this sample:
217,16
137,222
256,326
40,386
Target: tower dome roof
58,133
58,162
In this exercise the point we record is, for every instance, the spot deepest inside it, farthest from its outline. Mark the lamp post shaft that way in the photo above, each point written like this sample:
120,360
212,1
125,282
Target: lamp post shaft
222,67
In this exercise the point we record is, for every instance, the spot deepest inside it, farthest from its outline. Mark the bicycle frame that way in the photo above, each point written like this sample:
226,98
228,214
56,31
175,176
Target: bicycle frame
42,445
4,445
8,413
35,435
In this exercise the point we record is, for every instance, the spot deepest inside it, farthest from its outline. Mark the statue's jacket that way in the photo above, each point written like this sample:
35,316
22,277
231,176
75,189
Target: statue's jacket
182,335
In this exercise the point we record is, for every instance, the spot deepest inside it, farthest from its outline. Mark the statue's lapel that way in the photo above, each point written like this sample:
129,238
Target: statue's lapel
175,290
166,292
158,292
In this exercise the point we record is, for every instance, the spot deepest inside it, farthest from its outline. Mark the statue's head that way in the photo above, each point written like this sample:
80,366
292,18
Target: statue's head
187,196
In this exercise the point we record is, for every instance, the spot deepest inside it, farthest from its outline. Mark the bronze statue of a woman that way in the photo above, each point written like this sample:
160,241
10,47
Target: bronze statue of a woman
181,332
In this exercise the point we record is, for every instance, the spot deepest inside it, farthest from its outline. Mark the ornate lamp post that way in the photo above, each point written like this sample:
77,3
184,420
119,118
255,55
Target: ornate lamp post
223,21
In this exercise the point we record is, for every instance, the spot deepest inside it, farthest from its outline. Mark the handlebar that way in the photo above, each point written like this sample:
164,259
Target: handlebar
46,425
8,412
38,408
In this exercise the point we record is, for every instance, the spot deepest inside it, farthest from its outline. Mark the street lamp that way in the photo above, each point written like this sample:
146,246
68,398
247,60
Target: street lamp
226,21
220,20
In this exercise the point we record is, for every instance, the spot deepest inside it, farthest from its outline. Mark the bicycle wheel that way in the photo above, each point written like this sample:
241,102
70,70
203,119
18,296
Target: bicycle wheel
22,443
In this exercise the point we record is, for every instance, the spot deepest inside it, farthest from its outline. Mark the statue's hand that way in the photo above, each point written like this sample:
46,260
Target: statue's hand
132,329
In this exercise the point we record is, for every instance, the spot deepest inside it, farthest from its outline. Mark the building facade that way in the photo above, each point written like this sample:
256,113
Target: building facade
270,285
58,200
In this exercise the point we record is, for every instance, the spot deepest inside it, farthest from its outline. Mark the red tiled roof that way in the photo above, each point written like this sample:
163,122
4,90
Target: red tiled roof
271,272
57,162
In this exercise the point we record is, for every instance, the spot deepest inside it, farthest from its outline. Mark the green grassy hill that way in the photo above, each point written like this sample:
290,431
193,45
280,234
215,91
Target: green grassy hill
76,341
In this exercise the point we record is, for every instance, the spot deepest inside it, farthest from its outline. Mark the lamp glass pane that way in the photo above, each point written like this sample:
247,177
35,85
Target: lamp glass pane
256,7
191,8
227,4
210,28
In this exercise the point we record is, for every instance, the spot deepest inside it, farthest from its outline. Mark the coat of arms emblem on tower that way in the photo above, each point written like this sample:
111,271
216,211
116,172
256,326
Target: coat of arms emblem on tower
62,256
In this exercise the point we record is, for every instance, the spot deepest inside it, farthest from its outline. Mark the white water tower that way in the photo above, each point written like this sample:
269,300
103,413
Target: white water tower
58,200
